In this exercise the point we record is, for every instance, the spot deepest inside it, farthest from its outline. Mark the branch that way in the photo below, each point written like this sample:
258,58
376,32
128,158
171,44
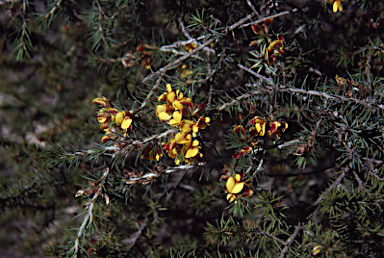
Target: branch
330,188
181,59
269,17
89,216
253,9
361,184
290,240
310,92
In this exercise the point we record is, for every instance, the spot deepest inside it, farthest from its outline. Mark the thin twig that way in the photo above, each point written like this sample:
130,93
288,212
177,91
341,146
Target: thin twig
179,60
89,216
290,241
360,182
253,9
269,17
261,77
262,232
148,98
376,176
330,188
310,92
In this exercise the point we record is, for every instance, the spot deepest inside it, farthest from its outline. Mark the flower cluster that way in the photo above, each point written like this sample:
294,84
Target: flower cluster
258,127
173,110
276,48
142,55
261,30
236,187
112,121
273,48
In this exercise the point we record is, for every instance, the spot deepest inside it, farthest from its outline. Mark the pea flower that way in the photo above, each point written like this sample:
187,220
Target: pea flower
190,46
235,186
259,126
275,48
244,150
164,112
277,128
316,250
337,6
102,101
123,119
191,126
176,120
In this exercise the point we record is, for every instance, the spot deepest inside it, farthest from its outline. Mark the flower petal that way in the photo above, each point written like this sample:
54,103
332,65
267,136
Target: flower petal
238,188
230,184
119,118
126,122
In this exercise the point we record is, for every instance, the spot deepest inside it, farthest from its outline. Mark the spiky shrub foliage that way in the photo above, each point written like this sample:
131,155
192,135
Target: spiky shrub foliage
220,128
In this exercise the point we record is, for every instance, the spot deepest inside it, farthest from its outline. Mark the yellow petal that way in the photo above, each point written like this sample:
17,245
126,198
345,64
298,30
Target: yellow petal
186,125
164,116
335,7
119,118
177,105
171,96
231,197
340,7
237,188
230,184
183,138
237,177
169,87
126,122
191,153
177,115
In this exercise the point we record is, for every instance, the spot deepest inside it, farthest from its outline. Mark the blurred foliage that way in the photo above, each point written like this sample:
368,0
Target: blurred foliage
286,109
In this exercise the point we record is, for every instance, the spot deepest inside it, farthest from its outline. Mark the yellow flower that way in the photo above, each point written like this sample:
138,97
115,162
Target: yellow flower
235,186
191,126
277,128
123,119
337,6
316,250
259,126
102,101
176,100
191,149
183,138
164,112
340,80
190,46
105,116
185,71
171,149
176,120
